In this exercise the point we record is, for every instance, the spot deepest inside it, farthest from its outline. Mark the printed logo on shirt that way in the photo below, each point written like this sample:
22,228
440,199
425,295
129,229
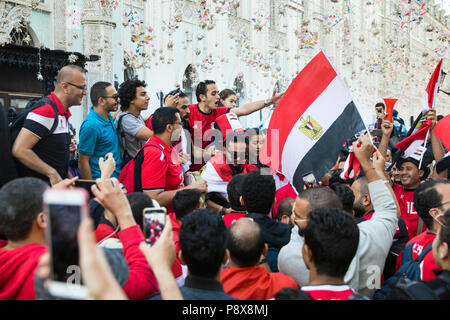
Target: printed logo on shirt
417,249
410,207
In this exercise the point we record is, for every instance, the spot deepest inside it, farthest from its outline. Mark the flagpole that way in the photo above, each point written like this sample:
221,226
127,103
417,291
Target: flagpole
424,145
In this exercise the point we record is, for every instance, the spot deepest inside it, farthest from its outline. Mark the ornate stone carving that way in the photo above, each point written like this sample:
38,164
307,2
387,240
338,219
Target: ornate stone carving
12,16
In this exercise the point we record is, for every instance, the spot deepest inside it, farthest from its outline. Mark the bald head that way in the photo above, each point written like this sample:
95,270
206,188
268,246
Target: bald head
67,73
362,184
246,242
321,198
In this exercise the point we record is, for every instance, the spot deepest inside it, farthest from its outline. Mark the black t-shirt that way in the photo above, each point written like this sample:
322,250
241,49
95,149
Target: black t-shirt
52,147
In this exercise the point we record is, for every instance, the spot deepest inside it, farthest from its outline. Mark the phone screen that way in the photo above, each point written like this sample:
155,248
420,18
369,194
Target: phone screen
64,223
309,179
85,184
154,222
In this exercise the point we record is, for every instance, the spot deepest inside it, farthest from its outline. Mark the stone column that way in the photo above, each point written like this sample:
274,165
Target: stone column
97,40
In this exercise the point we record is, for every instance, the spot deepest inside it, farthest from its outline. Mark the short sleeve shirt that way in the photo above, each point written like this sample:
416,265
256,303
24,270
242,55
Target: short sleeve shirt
98,136
160,168
201,122
52,148
131,125
405,200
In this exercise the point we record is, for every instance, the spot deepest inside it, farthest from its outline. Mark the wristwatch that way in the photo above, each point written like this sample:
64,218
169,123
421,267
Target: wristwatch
266,103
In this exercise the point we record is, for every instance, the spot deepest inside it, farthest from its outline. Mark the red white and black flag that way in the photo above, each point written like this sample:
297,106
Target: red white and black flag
313,119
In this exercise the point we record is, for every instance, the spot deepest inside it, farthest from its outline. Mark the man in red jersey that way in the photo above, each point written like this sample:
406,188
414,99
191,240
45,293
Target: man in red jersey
161,172
203,115
431,199
23,222
410,176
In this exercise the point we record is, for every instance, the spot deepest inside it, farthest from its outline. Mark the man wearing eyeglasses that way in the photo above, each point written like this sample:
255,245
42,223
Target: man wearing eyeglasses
98,133
43,150
431,200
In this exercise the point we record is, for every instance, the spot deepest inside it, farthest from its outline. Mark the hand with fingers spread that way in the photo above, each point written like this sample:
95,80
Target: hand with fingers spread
275,98
107,166
171,101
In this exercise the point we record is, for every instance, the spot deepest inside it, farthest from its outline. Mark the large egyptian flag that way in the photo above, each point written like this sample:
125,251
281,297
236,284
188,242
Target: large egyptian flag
313,119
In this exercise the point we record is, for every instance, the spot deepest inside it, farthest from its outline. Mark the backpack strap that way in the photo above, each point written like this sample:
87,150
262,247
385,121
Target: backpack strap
424,252
419,226
121,135
139,160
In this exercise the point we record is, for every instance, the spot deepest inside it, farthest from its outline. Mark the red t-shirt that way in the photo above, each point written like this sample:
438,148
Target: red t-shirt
160,168
405,198
231,217
148,123
104,230
428,264
200,123
329,292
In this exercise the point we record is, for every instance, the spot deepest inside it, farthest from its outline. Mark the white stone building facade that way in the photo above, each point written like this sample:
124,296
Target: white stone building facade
382,49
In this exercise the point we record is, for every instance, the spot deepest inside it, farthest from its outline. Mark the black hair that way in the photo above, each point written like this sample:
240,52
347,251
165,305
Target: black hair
380,104
285,208
181,94
225,93
20,204
321,197
336,178
162,117
345,194
444,232
245,243
186,201
203,242
234,191
292,294
258,192
138,202
202,88
127,92
98,90
332,236
426,197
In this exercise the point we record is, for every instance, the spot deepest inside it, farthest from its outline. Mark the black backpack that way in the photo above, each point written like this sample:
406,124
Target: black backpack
410,270
419,290
123,142
16,124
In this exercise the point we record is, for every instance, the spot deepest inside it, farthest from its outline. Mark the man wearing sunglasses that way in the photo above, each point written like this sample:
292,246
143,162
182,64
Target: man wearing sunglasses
98,133
43,145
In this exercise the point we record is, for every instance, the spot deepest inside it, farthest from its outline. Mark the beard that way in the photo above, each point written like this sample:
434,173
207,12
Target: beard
359,209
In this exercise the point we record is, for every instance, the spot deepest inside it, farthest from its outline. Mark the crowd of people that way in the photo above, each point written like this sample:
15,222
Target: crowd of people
235,229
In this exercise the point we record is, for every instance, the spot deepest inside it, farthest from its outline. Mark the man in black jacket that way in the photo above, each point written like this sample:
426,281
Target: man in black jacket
258,195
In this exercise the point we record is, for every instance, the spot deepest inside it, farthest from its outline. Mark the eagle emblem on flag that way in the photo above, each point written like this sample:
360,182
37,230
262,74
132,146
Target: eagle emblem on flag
311,128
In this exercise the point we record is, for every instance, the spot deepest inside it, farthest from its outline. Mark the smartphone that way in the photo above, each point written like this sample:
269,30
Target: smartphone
309,179
64,210
153,224
85,184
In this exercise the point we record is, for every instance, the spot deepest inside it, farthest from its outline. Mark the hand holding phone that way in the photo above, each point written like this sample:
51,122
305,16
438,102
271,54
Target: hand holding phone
309,179
64,210
154,220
